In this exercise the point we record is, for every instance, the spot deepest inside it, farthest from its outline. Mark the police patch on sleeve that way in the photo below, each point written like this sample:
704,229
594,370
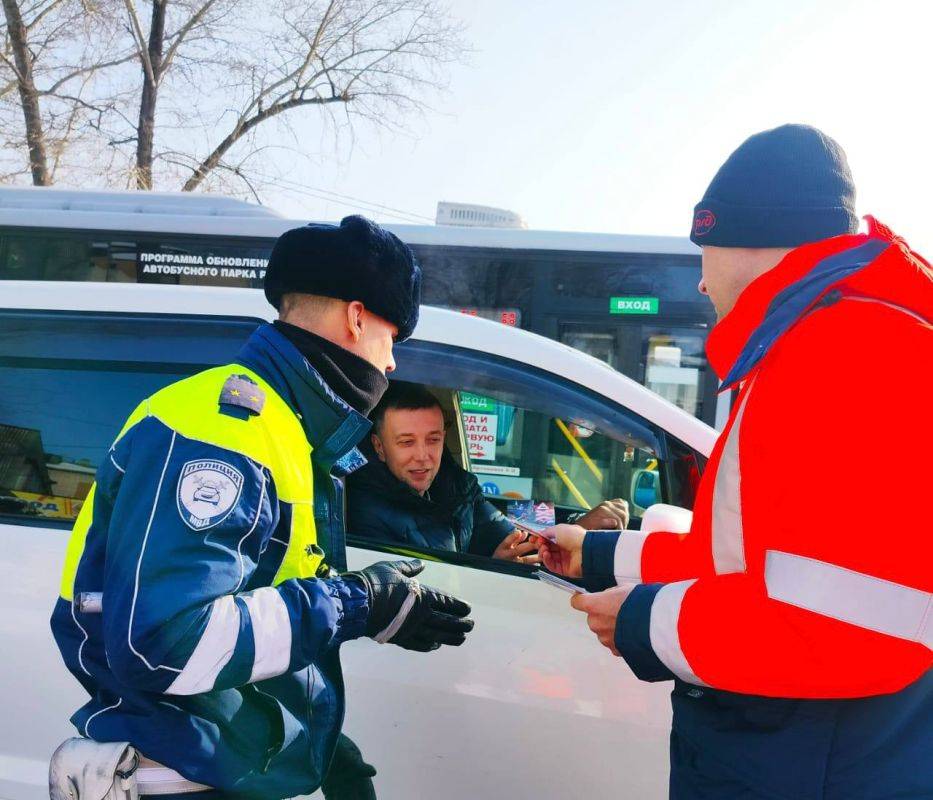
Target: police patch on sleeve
207,493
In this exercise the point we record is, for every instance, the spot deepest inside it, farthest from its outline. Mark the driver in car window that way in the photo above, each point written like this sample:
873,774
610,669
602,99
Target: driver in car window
414,492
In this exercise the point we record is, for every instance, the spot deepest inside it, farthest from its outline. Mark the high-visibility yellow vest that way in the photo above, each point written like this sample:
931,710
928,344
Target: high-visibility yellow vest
273,438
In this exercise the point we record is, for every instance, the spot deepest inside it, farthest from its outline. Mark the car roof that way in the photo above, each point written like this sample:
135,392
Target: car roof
435,325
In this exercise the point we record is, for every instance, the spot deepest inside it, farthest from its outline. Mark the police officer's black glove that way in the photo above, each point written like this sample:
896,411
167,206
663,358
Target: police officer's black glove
404,612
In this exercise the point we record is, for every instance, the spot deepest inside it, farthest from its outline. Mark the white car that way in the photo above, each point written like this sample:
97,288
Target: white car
530,706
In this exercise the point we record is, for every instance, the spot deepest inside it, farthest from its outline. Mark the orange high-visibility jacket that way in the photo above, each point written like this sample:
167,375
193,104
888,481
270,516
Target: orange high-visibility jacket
808,569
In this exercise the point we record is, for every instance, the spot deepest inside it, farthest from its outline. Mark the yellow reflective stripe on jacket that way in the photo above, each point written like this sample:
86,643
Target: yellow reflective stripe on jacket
76,545
139,413
76,541
273,438
301,560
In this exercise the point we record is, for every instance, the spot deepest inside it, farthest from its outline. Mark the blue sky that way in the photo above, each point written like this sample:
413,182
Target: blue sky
613,116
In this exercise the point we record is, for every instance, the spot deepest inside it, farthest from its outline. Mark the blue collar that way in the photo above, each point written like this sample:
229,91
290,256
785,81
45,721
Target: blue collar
333,428
797,300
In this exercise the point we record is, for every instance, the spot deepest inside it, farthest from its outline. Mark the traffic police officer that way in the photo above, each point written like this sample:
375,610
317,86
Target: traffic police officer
796,616
202,603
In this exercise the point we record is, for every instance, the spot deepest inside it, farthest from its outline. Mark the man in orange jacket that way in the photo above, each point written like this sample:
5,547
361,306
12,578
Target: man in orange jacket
796,616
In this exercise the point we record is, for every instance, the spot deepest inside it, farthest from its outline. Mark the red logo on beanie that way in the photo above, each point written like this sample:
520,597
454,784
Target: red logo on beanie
703,222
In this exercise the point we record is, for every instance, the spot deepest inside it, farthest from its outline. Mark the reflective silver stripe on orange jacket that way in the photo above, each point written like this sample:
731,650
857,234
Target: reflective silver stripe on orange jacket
727,533
665,639
854,597
626,564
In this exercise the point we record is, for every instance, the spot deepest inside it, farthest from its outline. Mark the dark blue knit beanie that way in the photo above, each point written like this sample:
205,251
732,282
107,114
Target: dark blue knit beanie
781,188
355,260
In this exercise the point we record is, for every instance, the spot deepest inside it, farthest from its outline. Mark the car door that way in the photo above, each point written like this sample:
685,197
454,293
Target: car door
531,705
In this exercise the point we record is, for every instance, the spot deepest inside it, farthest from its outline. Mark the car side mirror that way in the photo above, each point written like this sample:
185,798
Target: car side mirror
646,489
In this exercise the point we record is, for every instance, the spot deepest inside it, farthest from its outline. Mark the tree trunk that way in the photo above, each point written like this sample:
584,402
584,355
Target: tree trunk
35,137
145,130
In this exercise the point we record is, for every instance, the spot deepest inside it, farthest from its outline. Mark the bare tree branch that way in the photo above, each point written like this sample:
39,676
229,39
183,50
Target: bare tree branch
244,127
131,56
185,29
43,14
140,39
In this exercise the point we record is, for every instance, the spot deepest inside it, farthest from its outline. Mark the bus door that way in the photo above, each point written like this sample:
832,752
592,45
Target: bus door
668,357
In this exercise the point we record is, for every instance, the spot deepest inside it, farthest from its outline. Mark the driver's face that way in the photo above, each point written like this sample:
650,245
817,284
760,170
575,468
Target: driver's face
411,442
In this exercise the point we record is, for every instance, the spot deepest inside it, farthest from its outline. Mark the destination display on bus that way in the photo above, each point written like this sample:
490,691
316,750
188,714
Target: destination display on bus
230,267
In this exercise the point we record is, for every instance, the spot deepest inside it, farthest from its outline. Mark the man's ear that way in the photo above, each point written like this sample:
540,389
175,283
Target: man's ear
378,447
356,323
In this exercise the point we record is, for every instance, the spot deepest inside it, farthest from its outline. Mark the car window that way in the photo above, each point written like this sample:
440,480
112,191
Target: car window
537,445
532,438
68,382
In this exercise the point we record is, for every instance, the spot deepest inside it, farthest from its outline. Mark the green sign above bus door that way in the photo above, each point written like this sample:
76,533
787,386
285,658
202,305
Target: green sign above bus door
477,403
633,305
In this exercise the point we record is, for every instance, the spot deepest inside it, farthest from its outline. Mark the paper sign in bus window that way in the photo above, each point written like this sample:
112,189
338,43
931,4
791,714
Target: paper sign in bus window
480,430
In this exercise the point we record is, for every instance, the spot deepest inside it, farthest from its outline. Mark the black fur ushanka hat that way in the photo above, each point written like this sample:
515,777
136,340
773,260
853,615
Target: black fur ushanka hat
356,260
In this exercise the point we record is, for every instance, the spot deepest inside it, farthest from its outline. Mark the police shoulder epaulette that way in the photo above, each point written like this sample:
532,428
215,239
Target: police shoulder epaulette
241,392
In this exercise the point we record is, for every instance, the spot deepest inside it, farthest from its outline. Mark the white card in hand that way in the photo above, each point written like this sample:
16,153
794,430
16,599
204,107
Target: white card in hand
559,583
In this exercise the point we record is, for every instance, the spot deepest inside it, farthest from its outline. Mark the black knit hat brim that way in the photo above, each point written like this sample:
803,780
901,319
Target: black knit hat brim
719,224
782,187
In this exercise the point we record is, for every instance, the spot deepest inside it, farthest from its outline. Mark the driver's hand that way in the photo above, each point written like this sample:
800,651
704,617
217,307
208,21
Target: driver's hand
609,515
514,548
565,556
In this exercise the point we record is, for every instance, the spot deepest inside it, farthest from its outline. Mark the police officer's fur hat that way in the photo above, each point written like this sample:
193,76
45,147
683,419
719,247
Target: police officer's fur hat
356,260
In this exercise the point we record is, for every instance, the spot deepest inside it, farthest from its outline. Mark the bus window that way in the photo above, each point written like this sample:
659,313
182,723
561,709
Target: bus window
673,367
669,360
476,279
64,257
593,343
143,258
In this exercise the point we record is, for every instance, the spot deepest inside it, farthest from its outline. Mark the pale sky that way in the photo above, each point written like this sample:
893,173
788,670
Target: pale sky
612,116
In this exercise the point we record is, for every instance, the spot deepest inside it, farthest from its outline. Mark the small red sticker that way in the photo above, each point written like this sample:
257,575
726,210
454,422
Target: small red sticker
703,222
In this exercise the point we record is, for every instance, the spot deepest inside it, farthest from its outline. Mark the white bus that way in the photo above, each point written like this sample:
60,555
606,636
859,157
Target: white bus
630,301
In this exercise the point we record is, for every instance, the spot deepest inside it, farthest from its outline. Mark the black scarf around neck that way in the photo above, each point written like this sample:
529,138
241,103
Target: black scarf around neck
352,378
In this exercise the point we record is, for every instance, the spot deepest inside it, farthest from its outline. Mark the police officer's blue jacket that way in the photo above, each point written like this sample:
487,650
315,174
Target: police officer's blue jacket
196,606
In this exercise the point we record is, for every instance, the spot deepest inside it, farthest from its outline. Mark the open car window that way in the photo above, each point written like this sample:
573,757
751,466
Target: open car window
539,446
532,436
